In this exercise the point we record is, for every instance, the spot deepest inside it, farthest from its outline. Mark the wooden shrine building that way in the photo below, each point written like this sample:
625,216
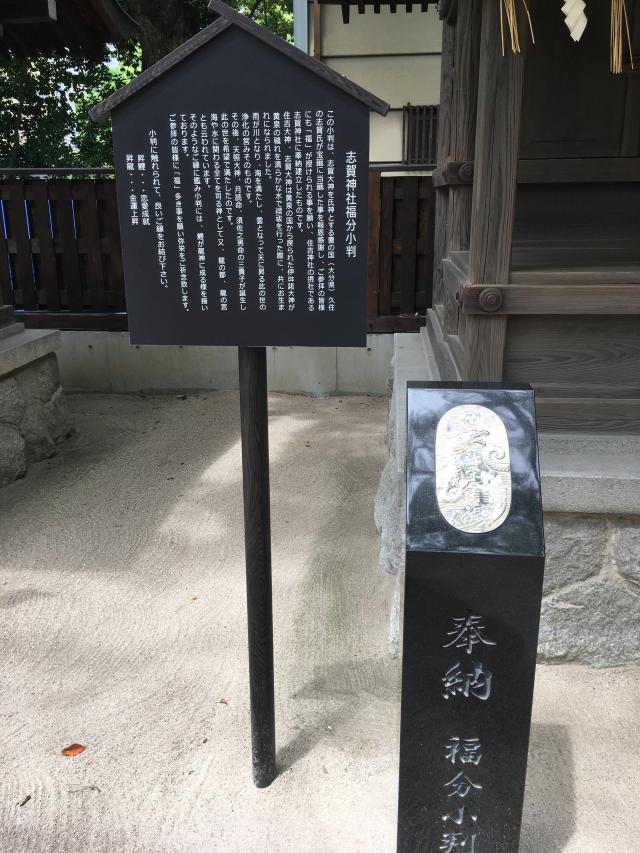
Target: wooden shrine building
32,27
537,233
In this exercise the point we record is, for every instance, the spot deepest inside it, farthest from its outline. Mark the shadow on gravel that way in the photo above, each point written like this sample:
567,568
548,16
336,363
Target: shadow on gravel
549,819
343,690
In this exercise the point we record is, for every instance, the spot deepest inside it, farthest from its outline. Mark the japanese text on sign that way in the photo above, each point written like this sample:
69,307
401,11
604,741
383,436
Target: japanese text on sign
228,160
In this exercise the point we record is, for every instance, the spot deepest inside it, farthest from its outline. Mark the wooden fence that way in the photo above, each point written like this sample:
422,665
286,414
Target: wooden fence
61,262
401,216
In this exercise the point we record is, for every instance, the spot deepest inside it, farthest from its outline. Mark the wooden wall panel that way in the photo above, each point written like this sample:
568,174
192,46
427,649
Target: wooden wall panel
584,350
574,106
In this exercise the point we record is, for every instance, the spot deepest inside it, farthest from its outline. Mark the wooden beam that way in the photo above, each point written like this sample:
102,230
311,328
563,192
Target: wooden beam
453,173
28,11
90,321
395,323
552,299
588,414
587,170
551,171
500,85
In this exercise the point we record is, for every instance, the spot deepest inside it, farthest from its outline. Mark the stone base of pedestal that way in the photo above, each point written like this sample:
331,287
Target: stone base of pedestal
33,417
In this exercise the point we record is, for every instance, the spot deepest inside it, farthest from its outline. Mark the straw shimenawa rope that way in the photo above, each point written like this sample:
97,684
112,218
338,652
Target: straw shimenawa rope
576,20
619,24
508,10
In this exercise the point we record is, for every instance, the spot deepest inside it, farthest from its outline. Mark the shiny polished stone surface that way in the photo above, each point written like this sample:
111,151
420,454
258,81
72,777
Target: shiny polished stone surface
471,614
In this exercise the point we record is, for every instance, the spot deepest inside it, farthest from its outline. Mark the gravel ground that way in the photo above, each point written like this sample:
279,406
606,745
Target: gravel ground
123,629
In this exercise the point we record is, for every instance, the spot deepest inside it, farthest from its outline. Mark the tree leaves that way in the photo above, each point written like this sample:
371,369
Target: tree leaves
44,101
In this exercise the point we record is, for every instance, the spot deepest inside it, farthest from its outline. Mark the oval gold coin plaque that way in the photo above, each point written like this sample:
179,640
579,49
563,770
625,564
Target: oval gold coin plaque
473,469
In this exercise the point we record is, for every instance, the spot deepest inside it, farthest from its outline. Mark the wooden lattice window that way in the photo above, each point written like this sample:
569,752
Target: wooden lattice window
419,135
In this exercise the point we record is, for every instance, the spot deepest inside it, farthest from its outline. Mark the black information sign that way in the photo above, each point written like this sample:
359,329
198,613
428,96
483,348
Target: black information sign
242,192
242,177
474,570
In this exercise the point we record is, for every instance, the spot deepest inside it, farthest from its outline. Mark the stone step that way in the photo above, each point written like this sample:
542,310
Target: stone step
11,329
21,349
6,315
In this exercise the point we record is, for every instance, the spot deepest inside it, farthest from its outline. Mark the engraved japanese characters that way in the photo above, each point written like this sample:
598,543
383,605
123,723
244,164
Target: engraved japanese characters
473,469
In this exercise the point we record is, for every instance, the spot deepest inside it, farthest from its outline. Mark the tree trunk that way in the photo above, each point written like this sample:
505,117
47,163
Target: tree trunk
164,26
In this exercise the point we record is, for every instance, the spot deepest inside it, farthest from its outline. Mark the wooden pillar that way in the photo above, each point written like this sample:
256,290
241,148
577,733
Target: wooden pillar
317,30
465,100
443,154
500,85
466,62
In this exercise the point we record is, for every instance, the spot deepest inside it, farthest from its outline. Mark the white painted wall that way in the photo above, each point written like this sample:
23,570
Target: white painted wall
378,51
107,362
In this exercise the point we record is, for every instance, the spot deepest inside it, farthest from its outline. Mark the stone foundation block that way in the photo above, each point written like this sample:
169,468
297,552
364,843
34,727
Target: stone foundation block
12,403
576,547
35,431
595,623
627,552
13,455
39,380
33,415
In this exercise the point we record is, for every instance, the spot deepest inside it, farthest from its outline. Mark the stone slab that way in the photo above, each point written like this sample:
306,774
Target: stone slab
25,347
11,329
590,473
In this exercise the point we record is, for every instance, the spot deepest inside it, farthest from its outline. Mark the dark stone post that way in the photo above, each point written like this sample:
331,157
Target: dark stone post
474,571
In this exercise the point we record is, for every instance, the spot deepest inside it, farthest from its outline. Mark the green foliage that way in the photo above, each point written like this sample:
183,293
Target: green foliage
44,101
91,141
274,15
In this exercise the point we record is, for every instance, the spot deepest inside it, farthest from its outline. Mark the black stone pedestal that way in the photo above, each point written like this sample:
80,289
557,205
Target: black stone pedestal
472,605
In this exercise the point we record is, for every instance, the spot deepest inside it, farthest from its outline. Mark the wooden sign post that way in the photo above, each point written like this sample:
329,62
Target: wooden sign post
474,570
242,178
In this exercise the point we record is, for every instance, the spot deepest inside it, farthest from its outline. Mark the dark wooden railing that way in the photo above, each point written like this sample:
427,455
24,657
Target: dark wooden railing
61,263
60,255
401,216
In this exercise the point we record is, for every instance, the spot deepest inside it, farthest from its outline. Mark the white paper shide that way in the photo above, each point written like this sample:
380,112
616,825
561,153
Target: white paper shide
575,18
473,469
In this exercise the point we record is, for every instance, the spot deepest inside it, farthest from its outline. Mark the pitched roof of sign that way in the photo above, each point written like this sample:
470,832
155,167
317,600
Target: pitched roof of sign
229,17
